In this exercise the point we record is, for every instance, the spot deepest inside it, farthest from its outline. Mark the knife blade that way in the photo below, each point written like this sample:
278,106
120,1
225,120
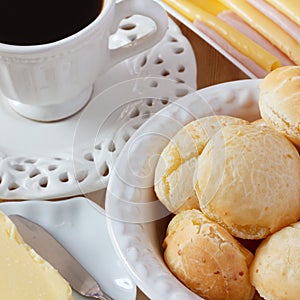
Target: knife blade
61,259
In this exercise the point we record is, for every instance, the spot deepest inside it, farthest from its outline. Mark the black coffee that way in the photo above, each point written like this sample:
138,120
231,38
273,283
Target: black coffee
34,22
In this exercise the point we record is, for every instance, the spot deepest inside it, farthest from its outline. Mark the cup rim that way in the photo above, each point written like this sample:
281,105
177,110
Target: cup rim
30,49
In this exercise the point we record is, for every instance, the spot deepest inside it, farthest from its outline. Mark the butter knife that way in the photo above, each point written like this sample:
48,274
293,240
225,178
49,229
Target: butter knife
51,250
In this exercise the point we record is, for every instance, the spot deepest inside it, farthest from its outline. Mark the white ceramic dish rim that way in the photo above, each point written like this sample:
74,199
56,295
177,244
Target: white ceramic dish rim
131,206
79,225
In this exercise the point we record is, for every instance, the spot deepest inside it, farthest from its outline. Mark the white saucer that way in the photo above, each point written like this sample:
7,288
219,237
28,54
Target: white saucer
69,157
88,242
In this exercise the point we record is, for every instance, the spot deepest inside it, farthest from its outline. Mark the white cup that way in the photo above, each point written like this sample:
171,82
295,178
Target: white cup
52,81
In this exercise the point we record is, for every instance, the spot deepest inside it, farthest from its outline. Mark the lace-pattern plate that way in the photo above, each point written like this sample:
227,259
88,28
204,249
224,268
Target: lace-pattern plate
74,156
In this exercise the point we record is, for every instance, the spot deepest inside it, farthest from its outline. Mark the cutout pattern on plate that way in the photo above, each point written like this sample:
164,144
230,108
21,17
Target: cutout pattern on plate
136,90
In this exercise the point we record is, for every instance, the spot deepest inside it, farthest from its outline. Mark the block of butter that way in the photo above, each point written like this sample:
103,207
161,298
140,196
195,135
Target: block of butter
23,273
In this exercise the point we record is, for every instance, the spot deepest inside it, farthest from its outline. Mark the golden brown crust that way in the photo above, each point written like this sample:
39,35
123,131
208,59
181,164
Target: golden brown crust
275,271
175,169
206,258
247,180
279,101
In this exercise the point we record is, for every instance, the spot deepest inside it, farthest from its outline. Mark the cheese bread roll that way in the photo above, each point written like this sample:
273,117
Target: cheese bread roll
279,101
247,180
275,271
206,258
175,169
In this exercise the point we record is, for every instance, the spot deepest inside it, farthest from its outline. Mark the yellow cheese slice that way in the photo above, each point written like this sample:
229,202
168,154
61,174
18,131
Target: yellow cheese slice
213,7
266,27
190,9
238,40
291,8
24,275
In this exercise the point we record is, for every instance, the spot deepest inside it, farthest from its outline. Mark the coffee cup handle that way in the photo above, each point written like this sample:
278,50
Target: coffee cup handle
148,8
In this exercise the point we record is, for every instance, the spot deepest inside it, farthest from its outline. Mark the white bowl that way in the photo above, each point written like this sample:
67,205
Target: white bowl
136,219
